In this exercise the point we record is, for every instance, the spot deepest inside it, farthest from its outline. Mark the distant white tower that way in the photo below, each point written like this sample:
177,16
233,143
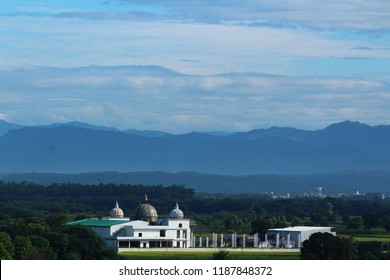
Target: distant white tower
357,193
319,191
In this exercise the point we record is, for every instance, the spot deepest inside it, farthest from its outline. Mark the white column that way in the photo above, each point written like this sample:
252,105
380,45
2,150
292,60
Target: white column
256,240
288,241
299,241
215,240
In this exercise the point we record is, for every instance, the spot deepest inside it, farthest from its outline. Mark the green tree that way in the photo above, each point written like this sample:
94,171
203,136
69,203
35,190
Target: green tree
316,219
355,223
296,221
346,249
41,249
369,250
59,243
86,244
346,219
280,222
262,224
38,229
57,219
5,239
4,254
325,246
22,247
386,222
371,220
233,223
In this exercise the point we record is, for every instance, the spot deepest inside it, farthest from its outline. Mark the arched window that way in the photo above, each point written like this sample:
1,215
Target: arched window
180,225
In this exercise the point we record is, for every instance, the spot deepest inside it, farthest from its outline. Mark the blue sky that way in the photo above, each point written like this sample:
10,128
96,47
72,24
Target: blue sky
181,66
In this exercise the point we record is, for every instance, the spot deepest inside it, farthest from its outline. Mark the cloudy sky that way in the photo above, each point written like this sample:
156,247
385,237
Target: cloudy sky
182,66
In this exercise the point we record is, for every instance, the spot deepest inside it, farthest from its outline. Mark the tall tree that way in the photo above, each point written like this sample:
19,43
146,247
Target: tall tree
57,219
86,244
4,254
325,246
22,247
5,239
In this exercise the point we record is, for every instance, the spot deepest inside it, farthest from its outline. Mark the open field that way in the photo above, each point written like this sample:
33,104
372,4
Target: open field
376,234
205,254
371,237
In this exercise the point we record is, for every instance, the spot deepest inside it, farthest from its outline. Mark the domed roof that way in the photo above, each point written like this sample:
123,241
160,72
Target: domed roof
116,212
176,214
147,212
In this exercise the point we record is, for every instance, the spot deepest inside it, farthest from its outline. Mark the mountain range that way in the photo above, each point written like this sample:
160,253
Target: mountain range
79,147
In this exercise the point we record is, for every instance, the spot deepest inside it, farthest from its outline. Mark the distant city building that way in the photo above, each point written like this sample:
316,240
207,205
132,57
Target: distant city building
146,231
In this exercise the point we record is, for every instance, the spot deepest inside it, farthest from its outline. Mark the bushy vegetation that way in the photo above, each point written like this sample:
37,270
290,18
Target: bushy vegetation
36,237
325,246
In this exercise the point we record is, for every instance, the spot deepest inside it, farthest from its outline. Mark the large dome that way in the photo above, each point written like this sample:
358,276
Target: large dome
116,212
147,212
176,214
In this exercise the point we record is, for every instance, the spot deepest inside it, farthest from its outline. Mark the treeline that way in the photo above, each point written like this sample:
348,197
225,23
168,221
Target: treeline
219,212
86,199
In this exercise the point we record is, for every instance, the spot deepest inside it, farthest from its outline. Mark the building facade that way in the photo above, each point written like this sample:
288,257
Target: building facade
145,231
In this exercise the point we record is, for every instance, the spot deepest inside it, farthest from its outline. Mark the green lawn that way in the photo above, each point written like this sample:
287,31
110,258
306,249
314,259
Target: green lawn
371,237
376,234
206,255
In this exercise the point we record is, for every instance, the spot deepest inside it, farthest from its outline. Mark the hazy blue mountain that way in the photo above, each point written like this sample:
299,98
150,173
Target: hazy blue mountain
147,133
6,126
77,147
80,125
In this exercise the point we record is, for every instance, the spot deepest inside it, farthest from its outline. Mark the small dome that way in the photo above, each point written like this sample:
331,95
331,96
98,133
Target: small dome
176,214
116,212
147,212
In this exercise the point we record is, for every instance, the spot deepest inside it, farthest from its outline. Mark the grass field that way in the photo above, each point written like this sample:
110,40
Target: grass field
207,255
371,237
376,234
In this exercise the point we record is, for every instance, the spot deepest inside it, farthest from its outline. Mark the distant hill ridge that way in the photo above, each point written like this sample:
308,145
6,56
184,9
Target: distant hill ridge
78,147
348,182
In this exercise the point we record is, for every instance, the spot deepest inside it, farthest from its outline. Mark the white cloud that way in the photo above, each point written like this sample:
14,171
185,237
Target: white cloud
329,61
219,48
154,98
314,14
3,117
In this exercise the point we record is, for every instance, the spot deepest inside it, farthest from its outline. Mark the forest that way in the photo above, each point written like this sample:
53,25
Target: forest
33,217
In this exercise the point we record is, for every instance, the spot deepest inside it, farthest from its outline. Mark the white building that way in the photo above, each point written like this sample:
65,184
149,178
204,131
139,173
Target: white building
293,237
146,231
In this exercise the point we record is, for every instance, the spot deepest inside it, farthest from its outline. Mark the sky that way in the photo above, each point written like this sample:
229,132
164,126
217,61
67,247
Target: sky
196,65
